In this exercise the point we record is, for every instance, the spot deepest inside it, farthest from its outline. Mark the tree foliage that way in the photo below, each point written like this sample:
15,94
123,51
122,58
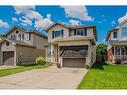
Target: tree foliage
101,48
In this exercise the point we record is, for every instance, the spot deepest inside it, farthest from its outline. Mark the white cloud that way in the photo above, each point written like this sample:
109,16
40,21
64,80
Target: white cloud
3,24
34,15
28,11
14,19
74,22
24,24
79,12
26,21
29,15
113,23
43,23
23,9
65,23
122,19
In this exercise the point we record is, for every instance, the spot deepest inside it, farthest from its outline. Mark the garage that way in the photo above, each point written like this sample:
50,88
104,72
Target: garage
73,62
74,56
8,58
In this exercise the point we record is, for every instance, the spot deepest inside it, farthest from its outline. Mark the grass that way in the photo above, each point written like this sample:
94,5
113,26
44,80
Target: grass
105,76
5,72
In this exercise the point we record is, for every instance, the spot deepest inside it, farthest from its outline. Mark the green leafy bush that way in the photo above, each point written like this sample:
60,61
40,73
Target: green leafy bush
87,66
40,60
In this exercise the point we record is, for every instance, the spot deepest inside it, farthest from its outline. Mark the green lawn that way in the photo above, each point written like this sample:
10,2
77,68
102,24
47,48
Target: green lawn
105,76
21,69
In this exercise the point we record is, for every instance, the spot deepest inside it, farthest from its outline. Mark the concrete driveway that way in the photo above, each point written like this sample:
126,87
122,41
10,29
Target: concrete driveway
48,78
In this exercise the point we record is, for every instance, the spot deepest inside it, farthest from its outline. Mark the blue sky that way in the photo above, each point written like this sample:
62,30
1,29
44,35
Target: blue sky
39,17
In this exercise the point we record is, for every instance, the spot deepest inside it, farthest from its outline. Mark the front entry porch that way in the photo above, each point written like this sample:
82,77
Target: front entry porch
120,52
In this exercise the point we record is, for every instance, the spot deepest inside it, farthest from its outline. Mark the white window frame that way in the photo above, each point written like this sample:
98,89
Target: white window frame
60,33
83,30
124,32
26,36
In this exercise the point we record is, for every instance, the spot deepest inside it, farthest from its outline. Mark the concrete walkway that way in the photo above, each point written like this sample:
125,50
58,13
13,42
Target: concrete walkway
7,67
48,78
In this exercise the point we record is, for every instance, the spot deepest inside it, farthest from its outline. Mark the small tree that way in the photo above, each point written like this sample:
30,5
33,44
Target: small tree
101,48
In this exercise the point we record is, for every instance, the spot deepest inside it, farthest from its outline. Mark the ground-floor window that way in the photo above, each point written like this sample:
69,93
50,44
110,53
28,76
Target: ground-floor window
122,51
119,51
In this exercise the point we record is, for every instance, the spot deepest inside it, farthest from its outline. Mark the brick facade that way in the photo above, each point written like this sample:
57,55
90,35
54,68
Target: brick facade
110,55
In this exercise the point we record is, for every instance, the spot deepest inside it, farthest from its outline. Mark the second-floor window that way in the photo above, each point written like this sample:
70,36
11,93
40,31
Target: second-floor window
58,33
124,32
114,34
27,37
13,37
80,32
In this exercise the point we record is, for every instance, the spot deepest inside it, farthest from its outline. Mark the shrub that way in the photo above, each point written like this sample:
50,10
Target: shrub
87,66
117,60
40,61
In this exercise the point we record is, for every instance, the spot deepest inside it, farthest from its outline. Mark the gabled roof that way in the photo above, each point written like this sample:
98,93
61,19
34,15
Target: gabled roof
19,43
73,27
110,31
13,28
24,30
57,23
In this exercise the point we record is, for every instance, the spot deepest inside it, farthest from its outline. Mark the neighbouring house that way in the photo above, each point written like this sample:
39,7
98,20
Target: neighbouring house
117,43
20,46
71,46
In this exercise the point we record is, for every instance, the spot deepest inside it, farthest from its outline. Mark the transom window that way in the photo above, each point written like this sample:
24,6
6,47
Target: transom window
124,32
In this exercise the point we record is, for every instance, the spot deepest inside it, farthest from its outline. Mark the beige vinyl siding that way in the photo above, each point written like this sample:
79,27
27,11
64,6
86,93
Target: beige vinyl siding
57,28
28,54
39,41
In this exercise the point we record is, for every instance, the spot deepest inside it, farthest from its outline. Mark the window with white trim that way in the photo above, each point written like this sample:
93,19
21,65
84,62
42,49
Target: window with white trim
81,32
124,32
27,36
58,33
114,34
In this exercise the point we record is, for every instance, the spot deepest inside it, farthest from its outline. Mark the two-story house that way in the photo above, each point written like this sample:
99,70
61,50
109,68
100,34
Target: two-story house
21,46
71,46
117,43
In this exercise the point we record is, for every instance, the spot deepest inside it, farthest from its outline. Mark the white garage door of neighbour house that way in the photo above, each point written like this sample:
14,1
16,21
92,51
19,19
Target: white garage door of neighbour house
8,58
